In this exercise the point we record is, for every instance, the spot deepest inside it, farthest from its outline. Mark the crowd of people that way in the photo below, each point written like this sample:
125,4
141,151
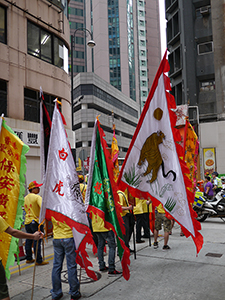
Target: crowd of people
213,184
63,241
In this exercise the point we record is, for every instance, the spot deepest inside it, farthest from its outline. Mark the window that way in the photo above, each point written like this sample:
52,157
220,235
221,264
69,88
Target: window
173,28
205,48
141,3
75,25
143,83
142,42
141,23
46,46
3,97
142,32
3,33
78,69
78,54
206,86
143,93
143,73
141,13
32,105
142,52
76,11
143,62
58,52
33,43
79,40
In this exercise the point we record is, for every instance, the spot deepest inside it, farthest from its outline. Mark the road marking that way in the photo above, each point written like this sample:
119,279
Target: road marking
27,266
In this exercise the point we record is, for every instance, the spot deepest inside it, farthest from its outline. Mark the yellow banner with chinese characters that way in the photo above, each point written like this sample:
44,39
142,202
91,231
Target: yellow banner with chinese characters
12,180
114,157
191,153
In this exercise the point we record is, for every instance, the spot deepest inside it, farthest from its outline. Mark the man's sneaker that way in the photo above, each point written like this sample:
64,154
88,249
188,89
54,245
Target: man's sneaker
30,261
114,273
59,297
42,263
156,245
104,269
166,247
76,297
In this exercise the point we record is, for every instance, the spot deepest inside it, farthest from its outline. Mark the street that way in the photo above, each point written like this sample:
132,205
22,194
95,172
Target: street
155,274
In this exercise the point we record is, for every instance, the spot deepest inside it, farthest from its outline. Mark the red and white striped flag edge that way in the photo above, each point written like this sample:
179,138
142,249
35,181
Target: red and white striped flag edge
153,166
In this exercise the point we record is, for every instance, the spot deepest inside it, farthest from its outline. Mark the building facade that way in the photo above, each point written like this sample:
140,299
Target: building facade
34,46
127,36
76,22
99,98
195,40
120,68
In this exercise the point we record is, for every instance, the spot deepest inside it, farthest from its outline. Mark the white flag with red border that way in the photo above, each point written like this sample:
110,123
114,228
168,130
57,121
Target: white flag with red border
62,198
153,166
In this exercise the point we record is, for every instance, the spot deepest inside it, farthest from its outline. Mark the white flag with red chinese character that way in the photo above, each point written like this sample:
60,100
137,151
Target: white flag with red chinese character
62,198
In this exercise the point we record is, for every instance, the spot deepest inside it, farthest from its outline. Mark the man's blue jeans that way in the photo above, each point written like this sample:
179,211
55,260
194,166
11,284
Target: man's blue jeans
32,228
64,247
110,238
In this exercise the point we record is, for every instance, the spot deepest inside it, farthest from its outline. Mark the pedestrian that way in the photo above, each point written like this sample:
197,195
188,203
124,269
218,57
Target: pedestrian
83,186
160,218
104,235
127,217
217,182
64,245
4,227
147,208
208,188
32,206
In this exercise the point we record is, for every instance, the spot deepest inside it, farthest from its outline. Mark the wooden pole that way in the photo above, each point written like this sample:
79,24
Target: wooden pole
34,270
134,241
149,227
80,277
19,269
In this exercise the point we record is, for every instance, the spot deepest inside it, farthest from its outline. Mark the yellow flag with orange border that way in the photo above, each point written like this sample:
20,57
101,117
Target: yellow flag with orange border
191,148
114,156
12,180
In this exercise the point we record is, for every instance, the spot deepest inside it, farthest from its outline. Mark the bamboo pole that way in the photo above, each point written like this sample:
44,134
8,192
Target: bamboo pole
34,270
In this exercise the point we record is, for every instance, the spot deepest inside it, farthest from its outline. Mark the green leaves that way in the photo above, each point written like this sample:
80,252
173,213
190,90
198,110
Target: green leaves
131,178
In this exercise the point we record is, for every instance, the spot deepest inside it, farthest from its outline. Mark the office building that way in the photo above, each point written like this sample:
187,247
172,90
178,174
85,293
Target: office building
124,60
127,36
113,107
34,45
195,40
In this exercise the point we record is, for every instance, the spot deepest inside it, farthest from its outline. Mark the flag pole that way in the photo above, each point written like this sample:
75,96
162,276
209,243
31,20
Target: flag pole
149,227
134,239
80,278
34,270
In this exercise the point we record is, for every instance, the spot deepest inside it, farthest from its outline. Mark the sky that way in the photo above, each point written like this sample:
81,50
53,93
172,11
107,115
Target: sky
162,26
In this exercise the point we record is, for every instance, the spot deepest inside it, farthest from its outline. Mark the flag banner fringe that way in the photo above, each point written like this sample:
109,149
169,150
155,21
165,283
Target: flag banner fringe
81,259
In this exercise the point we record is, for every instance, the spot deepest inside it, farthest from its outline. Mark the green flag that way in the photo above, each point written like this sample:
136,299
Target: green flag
101,195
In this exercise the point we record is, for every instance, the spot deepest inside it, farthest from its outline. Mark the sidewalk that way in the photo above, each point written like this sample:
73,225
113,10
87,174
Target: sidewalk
155,274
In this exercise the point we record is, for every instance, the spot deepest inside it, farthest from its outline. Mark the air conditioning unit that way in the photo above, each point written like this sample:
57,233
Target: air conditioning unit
204,10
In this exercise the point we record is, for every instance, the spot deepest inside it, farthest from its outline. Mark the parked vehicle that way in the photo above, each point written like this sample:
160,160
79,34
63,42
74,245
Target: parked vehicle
209,208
